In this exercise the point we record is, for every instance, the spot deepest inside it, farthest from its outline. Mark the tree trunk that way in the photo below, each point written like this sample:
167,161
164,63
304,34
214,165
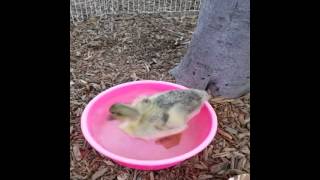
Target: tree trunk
218,58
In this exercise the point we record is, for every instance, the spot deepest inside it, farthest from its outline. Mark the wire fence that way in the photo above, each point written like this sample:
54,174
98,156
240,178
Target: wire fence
83,9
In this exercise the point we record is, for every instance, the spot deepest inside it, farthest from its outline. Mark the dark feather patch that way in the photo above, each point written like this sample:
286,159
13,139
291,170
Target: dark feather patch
165,117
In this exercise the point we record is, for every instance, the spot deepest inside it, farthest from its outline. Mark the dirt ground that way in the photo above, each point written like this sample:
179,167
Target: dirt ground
106,52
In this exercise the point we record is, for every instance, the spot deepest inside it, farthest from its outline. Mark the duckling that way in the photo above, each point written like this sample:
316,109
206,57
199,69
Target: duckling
160,115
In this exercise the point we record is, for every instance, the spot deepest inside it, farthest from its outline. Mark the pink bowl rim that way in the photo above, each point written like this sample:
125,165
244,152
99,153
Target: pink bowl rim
161,162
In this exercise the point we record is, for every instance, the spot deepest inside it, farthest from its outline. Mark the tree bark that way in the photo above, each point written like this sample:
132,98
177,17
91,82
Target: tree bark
218,58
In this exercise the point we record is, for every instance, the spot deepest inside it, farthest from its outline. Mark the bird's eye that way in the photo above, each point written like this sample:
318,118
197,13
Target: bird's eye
146,100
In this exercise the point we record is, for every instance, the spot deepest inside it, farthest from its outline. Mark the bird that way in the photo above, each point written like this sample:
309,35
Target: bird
159,115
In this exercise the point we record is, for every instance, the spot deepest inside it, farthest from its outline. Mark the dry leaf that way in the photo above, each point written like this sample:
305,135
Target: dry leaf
147,67
134,76
235,171
83,81
77,177
208,152
99,173
218,167
76,152
123,176
221,132
241,163
95,86
245,150
247,166
241,177
227,149
223,154
231,130
232,164
151,176
109,163
246,121
154,60
241,118
134,175
199,166
78,112
238,154
242,135
111,65
205,176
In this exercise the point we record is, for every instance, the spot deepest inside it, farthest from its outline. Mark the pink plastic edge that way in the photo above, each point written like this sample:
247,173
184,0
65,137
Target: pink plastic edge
115,157
148,168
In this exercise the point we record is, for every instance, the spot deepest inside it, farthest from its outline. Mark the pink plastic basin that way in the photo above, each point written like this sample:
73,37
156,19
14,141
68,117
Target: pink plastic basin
109,140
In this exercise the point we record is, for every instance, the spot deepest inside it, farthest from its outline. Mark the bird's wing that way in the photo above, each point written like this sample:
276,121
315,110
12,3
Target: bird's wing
166,133
177,117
